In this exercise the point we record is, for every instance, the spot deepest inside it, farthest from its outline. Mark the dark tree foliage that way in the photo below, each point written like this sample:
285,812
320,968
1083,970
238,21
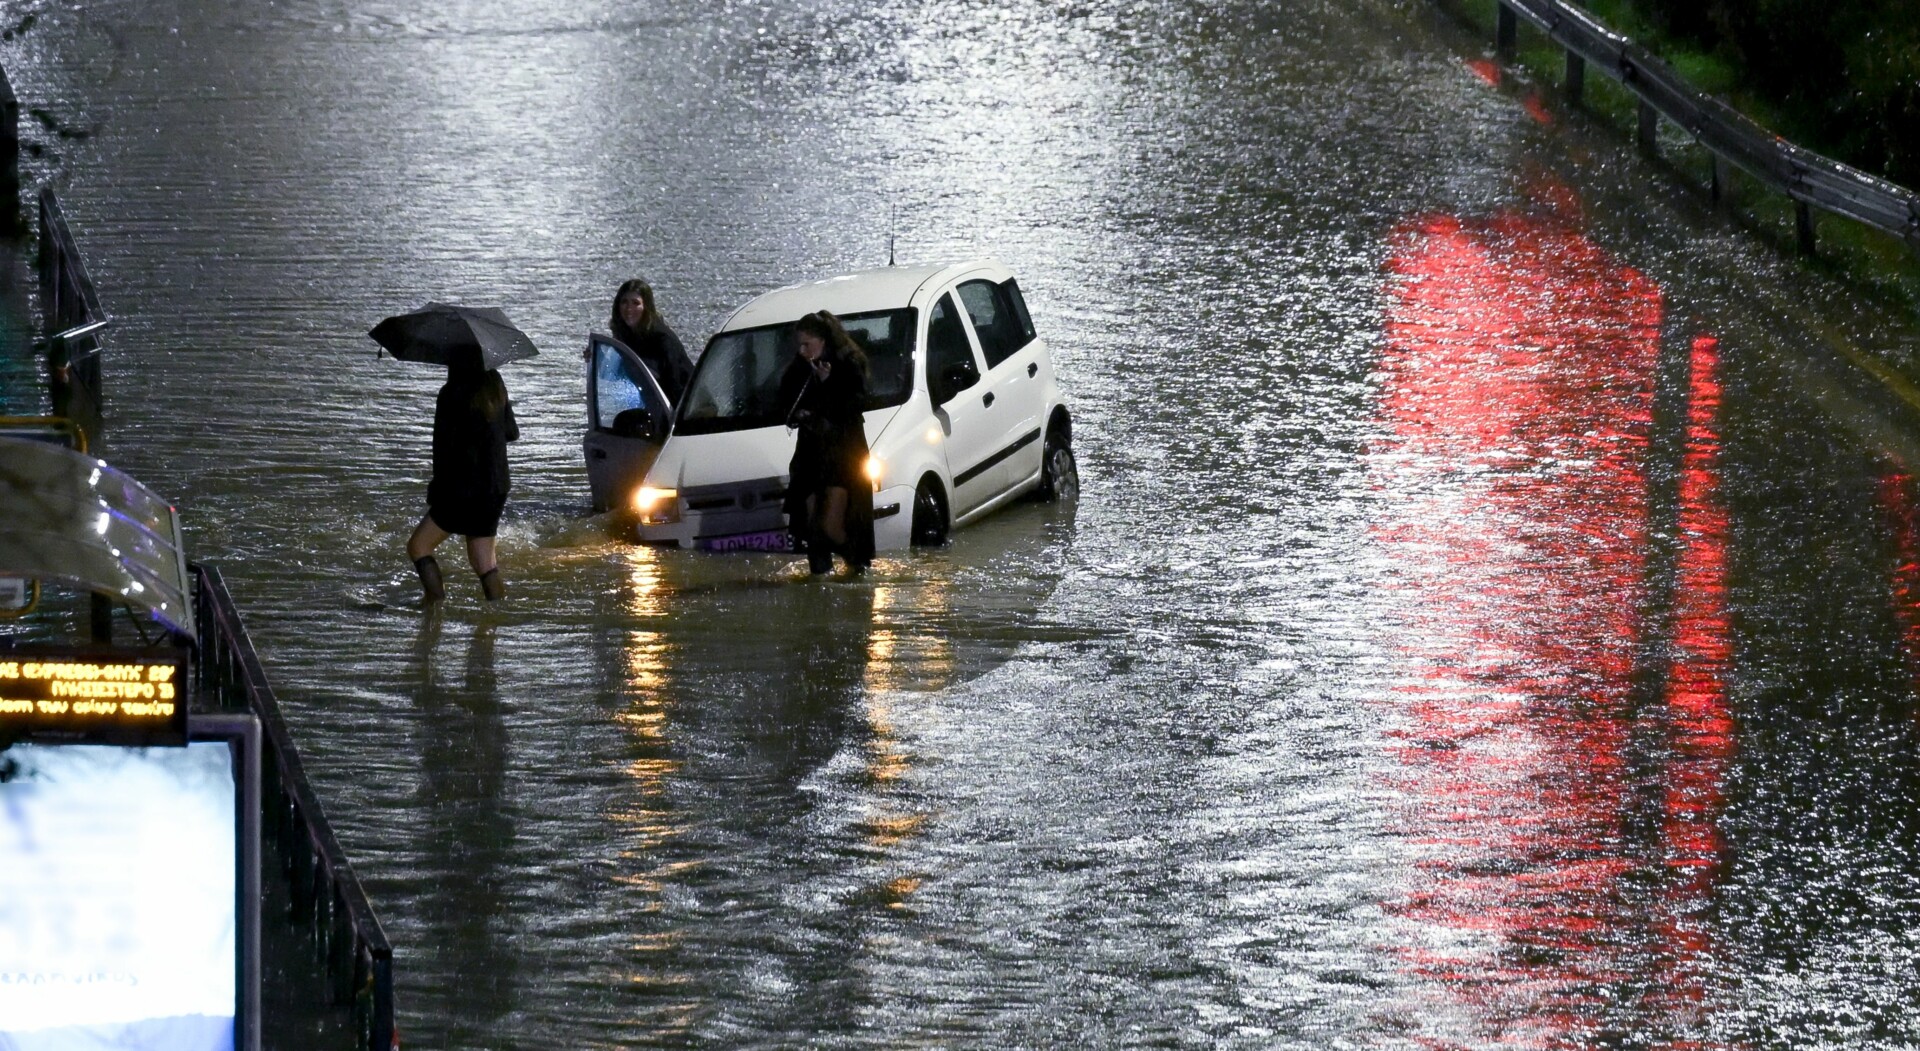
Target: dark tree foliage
1846,72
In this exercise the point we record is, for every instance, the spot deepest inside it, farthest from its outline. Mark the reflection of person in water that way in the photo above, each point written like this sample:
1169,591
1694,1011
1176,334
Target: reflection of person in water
829,496
465,848
637,323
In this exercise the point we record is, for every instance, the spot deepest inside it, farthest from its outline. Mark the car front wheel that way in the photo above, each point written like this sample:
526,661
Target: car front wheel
929,514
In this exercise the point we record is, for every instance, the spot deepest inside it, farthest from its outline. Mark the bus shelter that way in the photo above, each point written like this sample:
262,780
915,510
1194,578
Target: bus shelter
129,824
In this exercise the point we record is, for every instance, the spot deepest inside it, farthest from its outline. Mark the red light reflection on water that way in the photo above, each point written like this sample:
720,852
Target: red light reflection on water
1901,508
1489,72
1699,726
1516,414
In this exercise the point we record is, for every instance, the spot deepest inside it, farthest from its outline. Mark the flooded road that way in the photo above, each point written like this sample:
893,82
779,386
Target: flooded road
1486,622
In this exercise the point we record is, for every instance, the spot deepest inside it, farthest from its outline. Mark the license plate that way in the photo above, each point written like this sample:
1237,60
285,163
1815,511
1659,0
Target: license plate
766,540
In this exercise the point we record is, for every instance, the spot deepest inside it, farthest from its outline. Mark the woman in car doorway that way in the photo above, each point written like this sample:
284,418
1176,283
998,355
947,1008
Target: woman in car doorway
829,500
637,323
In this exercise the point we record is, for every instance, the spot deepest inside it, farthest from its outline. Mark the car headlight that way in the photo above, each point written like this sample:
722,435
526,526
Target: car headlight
655,505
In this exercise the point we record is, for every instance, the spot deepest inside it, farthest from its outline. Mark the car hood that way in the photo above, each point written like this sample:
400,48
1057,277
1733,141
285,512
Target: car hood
692,460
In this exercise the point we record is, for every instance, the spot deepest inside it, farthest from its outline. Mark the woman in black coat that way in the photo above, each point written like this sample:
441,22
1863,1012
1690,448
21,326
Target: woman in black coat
472,424
637,323
829,500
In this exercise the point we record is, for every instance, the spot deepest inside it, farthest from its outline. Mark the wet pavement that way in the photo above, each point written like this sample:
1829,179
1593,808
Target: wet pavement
1491,619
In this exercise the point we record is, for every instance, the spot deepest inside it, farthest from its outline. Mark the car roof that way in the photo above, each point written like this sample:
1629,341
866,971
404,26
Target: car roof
883,288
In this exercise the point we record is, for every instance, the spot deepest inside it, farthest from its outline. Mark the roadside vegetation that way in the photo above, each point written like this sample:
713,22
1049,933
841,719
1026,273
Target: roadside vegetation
1840,77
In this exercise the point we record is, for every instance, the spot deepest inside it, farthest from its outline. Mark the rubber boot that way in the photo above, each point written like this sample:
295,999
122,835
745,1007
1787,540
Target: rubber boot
430,580
491,585
819,553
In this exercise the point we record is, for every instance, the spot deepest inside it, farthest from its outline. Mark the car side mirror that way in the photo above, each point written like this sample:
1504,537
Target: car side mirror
956,377
642,423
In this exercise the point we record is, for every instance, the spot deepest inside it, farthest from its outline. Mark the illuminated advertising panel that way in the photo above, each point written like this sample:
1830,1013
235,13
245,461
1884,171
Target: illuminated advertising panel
121,891
93,694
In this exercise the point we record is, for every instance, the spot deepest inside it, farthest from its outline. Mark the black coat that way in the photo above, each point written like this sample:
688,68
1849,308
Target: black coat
472,424
662,353
830,446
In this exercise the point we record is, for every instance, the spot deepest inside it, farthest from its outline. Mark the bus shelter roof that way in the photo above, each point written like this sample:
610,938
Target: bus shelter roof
78,520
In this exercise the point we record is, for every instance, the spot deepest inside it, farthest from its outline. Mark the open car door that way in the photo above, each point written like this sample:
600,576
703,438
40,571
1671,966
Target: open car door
628,416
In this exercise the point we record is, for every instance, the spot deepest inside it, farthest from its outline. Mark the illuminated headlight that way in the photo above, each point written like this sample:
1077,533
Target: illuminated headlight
875,471
657,505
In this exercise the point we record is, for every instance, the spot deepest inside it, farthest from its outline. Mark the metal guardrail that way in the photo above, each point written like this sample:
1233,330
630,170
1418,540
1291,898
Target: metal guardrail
70,321
327,895
67,297
1809,179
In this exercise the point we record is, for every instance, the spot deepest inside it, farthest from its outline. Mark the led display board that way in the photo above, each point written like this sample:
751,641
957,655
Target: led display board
129,895
93,694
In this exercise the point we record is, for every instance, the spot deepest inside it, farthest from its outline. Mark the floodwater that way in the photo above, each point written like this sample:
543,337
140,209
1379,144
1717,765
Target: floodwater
1489,619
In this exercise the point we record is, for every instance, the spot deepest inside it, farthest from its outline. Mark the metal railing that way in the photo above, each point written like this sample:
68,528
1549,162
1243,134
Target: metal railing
70,321
1730,137
327,896
67,298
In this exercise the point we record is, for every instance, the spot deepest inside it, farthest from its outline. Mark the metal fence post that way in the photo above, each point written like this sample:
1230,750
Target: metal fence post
1648,134
1576,77
1803,226
1506,27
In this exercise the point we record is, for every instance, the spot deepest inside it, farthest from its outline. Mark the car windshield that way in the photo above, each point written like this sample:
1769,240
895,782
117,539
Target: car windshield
737,383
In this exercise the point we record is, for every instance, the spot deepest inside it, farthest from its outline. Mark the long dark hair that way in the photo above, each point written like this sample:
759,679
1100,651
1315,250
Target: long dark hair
647,318
486,392
840,346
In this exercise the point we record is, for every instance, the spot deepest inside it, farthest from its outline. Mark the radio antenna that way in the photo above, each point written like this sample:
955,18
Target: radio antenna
893,211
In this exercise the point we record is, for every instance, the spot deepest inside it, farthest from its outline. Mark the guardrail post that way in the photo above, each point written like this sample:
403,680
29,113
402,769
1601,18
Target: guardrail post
384,1036
1648,134
1716,190
1803,226
1506,29
1576,78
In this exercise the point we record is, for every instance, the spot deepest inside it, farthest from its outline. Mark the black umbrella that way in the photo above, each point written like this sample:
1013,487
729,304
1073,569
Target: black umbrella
443,334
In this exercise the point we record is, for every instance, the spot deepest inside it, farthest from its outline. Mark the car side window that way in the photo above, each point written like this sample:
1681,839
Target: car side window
950,364
620,400
1001,329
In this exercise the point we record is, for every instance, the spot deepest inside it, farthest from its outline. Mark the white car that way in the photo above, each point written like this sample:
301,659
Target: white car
963,412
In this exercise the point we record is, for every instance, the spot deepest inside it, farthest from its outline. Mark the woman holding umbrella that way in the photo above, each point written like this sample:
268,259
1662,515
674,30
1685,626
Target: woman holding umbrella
472,424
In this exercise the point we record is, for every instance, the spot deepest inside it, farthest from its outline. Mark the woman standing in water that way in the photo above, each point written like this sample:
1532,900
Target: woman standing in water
472,424
829,497
637,323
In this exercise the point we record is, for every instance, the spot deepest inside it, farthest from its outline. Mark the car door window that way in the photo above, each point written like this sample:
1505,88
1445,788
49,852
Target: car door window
1010,292
995,322
887,340
950,364
622,401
